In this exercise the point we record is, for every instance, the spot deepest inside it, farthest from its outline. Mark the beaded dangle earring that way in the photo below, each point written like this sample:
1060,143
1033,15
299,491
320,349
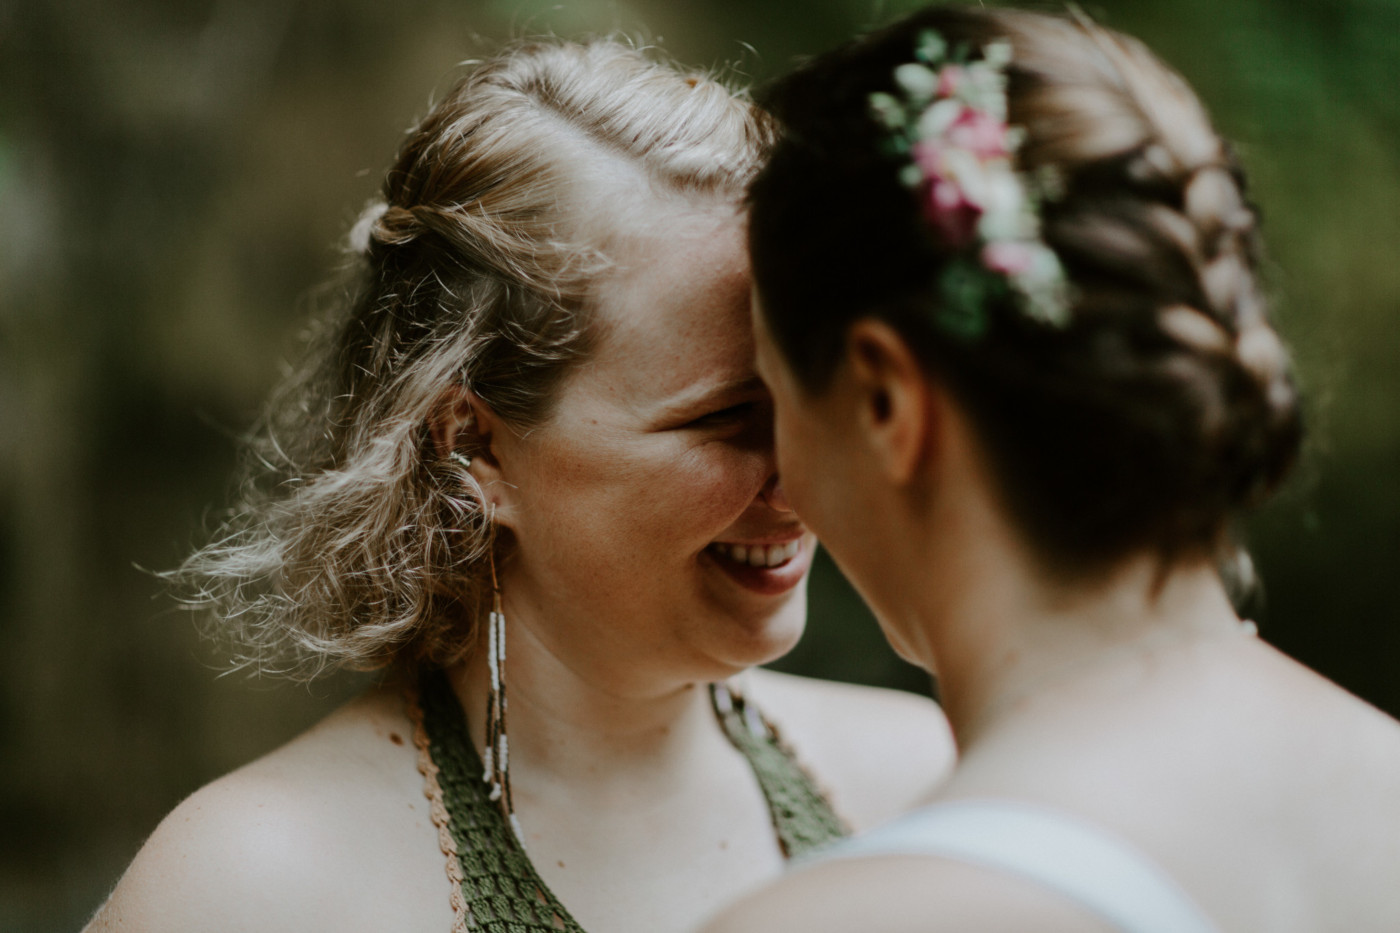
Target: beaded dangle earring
496,755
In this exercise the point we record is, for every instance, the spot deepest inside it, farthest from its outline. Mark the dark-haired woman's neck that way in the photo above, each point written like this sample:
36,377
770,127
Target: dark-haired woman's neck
1029,640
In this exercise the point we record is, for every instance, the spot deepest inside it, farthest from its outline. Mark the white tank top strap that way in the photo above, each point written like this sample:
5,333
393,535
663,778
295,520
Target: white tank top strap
1056,850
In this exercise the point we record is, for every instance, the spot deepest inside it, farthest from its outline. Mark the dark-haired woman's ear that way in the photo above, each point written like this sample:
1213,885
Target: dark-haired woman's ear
895,400
466,430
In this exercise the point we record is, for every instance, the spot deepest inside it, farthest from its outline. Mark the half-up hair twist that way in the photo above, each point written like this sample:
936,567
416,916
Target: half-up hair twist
1166,404
354,541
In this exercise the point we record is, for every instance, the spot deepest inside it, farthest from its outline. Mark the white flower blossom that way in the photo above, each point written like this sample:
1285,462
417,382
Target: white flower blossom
918,81
934,121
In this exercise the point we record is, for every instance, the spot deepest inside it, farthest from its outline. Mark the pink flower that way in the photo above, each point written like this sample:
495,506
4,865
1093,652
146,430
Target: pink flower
1008,257
949,80
952,216
928,156
946,205
979,133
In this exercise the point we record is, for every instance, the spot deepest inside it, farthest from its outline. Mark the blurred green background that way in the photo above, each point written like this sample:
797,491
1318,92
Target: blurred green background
174,176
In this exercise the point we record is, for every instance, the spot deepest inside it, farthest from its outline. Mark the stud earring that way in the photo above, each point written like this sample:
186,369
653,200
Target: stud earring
460,458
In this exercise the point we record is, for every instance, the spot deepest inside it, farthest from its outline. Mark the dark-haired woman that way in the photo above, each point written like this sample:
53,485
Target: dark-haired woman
531,475
1032,387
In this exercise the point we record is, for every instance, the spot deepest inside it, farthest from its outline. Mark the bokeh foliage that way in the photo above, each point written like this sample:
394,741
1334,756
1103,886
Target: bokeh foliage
174,178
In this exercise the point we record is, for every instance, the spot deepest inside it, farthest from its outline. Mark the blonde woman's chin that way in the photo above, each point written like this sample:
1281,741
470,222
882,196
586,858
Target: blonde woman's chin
743,641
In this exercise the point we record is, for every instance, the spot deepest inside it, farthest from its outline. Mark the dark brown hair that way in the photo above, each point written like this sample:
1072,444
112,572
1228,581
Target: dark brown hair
1166,405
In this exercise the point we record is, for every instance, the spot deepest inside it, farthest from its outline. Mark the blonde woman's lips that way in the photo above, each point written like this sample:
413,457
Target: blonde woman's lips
767,568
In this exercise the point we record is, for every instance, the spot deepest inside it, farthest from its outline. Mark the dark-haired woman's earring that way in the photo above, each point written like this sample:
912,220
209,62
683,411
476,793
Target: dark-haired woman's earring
497,754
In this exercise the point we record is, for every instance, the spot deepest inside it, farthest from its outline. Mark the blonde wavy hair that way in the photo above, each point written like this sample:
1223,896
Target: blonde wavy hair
353,542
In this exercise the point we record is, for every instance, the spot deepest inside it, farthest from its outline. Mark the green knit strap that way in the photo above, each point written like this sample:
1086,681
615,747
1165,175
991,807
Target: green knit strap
502,890
504,893
802,815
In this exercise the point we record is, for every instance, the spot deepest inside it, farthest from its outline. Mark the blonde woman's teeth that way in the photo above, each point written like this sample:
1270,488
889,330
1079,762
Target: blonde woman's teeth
759,555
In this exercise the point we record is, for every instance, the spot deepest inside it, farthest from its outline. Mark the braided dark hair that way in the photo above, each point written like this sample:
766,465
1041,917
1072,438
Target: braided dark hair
1167,404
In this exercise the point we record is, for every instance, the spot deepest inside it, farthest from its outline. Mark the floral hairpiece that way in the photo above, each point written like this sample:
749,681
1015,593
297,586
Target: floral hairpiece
950,123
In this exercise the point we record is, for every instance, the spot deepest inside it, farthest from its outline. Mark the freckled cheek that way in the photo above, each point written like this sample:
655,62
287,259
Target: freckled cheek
655,509
705,491
799,460
578,492
787,444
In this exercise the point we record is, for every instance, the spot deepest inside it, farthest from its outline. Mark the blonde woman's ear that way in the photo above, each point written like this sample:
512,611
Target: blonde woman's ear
896,403
466,430
453,425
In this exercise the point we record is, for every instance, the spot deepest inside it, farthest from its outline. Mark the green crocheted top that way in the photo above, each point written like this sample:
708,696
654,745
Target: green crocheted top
500,887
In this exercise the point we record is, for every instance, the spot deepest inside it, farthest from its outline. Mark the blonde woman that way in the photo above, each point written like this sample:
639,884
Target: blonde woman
1041,349
529,472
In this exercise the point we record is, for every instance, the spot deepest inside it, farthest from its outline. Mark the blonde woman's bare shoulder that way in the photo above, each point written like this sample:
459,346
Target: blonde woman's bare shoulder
902,894
878,752
329,832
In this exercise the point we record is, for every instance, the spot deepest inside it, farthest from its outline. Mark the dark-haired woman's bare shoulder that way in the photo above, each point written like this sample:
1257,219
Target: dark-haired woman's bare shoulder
877,752
329,832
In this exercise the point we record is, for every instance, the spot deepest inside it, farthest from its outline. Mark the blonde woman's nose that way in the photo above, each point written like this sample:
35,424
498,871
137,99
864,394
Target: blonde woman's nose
775,497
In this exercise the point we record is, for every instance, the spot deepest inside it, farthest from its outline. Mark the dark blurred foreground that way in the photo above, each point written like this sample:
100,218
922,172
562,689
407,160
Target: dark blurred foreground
173,179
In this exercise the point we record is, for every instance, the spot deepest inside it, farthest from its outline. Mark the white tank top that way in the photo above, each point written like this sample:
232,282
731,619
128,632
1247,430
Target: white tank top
1063,853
